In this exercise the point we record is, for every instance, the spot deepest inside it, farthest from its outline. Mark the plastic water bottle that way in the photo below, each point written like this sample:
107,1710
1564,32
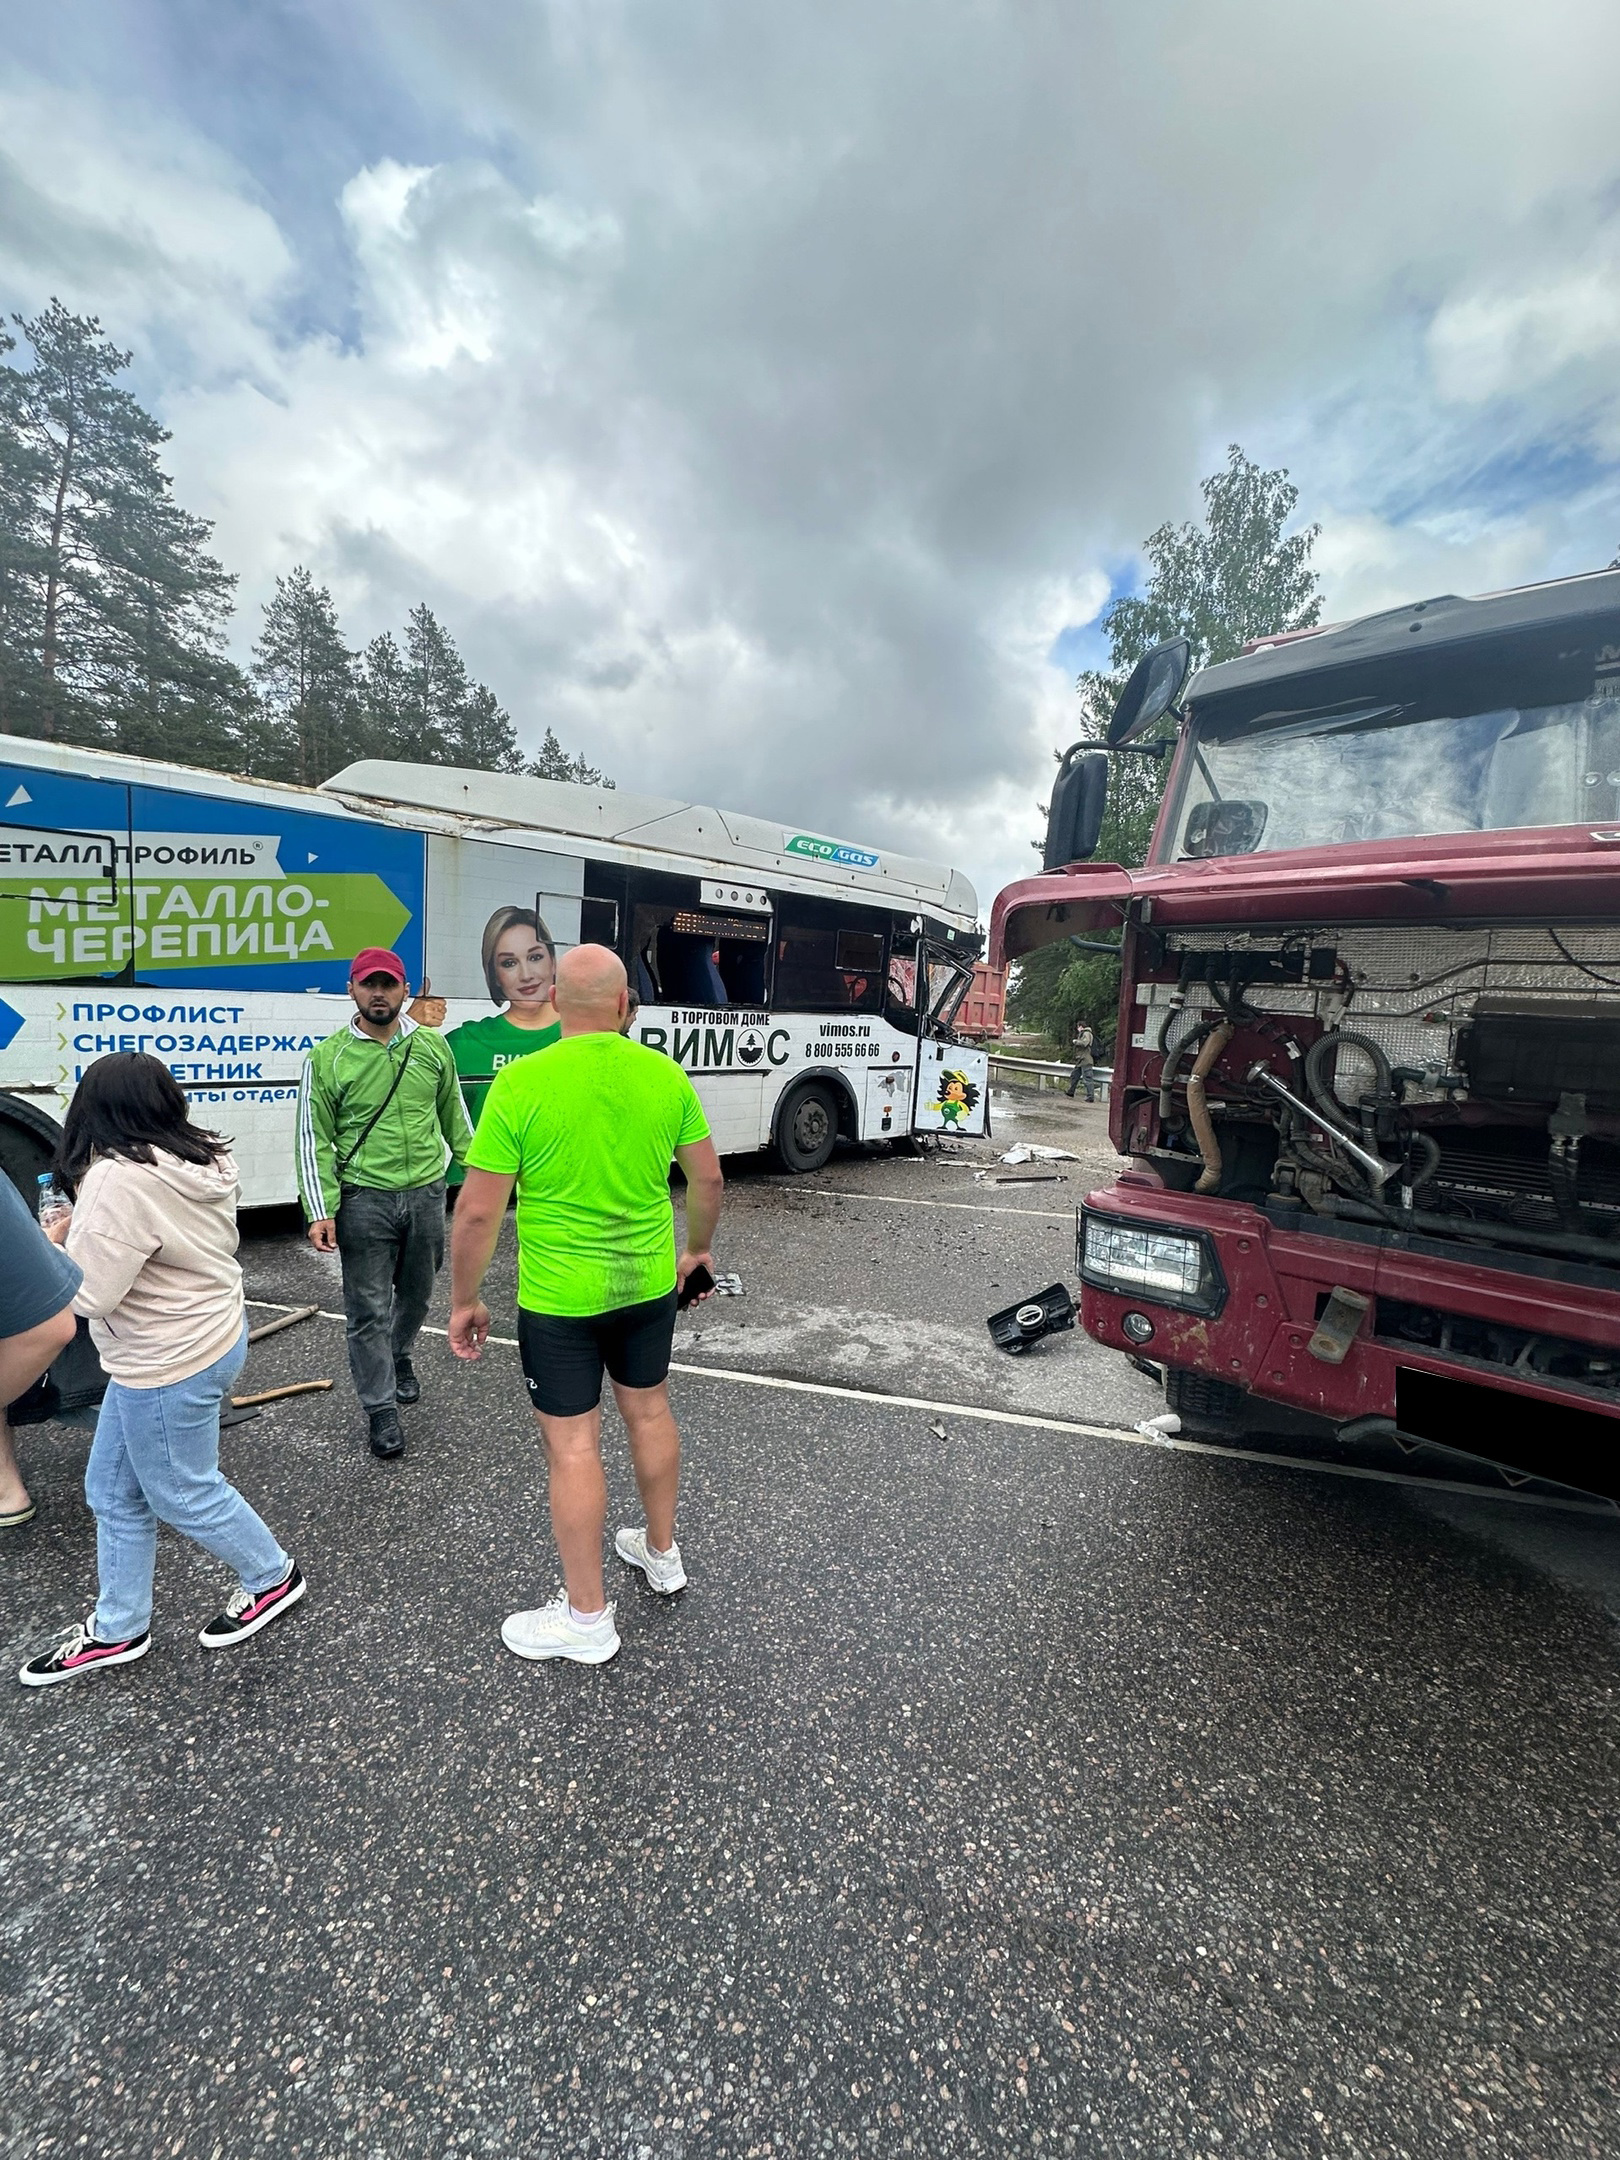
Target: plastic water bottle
54,1204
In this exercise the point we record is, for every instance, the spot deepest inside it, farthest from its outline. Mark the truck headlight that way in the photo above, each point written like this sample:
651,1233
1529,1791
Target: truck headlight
1165,1267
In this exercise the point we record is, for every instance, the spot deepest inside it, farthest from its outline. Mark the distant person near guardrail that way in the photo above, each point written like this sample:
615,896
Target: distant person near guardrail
1081,1042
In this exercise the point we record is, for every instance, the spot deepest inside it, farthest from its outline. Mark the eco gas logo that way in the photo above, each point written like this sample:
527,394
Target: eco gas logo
831,851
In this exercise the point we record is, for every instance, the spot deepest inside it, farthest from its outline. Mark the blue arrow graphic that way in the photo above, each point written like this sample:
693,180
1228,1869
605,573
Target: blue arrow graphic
10,1022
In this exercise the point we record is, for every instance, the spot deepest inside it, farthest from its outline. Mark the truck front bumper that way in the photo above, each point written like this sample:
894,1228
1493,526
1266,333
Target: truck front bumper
1223,1289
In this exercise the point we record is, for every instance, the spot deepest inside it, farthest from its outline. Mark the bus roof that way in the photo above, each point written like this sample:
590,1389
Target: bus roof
518,802
514,806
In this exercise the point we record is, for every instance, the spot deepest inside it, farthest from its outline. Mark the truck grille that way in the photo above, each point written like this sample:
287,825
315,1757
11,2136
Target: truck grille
1555,1360
1502,1176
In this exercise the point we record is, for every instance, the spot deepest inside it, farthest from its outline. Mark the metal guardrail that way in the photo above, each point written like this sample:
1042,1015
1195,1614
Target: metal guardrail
1007,1067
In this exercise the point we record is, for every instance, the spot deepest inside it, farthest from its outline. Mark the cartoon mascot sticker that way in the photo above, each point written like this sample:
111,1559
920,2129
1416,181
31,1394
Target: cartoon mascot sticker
957,1096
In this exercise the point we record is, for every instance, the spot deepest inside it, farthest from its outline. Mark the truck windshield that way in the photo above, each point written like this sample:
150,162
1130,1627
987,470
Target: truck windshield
1386,770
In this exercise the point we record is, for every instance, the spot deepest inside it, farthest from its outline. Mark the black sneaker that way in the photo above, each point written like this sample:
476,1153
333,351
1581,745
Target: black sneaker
407,1388
387,1434
79,1653
250,1610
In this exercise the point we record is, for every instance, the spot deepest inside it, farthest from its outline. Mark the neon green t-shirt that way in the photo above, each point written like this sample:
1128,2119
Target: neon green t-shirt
481,1048
590,1130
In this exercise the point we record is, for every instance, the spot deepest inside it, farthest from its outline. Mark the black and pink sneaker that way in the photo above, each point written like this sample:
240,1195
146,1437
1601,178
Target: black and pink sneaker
251,1610
79,1653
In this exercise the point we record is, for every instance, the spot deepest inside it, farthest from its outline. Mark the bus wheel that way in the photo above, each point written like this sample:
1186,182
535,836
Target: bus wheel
807,1127
27,1143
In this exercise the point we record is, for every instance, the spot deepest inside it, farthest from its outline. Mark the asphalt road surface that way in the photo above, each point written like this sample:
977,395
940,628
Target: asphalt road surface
995,1786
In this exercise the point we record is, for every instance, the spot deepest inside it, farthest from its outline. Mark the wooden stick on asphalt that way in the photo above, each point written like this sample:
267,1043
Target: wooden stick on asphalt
274,1394
286,1319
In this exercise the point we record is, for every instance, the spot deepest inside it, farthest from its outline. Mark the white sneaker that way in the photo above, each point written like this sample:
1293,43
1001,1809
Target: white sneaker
662,1570
552,1631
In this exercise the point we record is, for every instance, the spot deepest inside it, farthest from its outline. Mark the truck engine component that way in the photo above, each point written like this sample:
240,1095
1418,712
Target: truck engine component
1198,1110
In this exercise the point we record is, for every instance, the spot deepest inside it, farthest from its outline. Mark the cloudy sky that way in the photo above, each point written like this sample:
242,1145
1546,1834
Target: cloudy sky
770,397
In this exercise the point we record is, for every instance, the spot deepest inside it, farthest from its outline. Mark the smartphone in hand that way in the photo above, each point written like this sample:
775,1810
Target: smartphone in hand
698,1284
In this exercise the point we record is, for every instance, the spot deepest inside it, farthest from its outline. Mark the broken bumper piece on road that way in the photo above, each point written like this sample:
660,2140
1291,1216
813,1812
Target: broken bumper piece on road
1017,1326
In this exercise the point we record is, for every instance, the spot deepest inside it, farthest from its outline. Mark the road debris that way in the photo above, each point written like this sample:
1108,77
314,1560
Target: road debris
274,1394
1161,1428
282,1320
1015,1327
1031,1151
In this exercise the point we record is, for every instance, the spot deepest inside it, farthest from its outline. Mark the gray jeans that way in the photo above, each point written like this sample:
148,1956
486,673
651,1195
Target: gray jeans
393,1246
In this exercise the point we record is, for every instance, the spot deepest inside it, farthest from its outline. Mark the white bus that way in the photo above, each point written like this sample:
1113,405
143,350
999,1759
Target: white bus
806,984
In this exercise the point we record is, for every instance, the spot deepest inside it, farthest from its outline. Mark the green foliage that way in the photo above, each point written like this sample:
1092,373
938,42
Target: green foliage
113,613
310,717
111,609
554,763
1219,584
1058,985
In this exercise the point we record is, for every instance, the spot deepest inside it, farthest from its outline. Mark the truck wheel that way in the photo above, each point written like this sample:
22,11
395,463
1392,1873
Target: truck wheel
1203,1400
807,1127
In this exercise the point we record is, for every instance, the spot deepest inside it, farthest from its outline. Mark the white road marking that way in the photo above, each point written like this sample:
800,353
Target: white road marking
1120,1433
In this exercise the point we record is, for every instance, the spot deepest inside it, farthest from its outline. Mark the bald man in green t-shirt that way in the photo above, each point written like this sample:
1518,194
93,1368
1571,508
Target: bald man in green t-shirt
587,1134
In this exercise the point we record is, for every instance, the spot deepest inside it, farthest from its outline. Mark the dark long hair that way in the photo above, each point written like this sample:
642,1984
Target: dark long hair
128,1104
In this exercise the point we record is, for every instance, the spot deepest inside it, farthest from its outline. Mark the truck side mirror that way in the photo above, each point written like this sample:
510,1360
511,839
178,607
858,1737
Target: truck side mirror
1151,690
1079,797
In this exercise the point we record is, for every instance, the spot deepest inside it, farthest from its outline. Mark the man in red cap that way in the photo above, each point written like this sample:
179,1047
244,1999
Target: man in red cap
379,1106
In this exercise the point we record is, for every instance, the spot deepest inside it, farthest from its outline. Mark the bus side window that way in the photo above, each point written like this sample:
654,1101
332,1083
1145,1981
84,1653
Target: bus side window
599,923
829,970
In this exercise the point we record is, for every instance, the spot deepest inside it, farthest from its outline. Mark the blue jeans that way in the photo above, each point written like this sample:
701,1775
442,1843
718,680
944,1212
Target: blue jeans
155,1458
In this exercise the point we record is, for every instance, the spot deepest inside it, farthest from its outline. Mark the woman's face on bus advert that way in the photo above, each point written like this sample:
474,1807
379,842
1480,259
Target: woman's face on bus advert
523,968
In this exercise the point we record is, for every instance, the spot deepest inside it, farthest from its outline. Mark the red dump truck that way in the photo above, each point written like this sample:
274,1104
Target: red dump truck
1367,1074
982,1013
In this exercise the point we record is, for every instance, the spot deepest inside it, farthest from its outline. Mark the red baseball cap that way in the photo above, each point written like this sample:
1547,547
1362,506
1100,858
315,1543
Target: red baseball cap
375,960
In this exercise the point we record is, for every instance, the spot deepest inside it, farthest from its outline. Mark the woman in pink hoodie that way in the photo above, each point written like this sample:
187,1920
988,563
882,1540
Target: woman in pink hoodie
154,1230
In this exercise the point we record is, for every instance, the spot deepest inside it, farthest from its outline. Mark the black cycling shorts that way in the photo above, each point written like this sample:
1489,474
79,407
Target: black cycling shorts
563,1359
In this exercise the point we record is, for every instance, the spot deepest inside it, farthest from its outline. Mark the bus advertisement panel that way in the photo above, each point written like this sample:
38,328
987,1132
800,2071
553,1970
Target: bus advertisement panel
197,892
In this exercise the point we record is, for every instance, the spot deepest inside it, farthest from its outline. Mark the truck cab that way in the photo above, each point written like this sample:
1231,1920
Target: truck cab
1367,1084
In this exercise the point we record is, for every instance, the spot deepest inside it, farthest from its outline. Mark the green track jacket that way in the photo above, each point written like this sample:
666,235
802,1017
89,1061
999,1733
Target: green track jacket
345,1079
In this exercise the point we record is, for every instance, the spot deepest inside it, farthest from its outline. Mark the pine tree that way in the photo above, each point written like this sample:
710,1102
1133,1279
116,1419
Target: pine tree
422,707
554,763
22,476
169,688
384,697
484,736
111,610
309,696
436,690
